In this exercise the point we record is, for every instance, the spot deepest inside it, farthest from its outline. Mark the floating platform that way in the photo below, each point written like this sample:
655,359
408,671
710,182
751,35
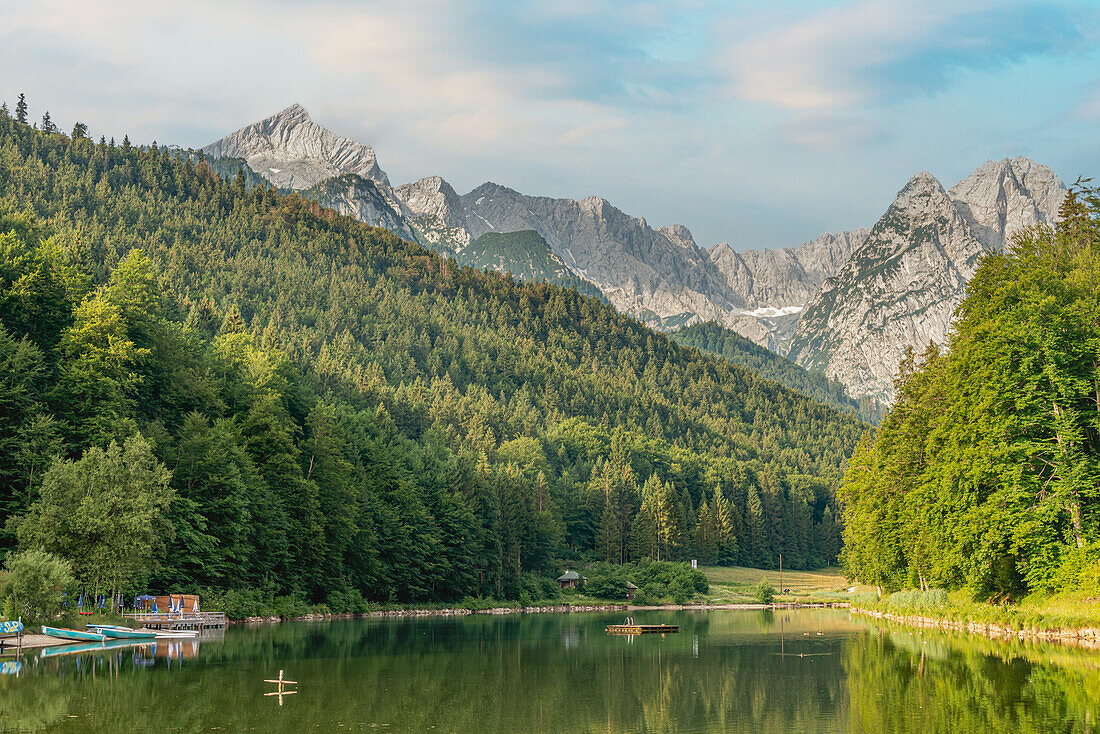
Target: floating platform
642,629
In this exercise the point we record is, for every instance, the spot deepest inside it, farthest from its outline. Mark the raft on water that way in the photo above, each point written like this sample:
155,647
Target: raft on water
641,629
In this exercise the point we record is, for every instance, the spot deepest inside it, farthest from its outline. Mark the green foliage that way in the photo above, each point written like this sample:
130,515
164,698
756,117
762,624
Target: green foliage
985,475
914,600
105,514
607,586
526,255
35,582
656,582
764,592
340,412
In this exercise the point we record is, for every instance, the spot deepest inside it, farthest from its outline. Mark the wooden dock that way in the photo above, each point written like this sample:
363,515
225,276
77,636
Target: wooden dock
642,629
177,620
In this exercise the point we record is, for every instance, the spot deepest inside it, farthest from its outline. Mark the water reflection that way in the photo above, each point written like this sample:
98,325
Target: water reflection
726,671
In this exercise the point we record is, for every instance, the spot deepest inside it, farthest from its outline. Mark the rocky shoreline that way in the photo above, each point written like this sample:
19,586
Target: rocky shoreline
1088,637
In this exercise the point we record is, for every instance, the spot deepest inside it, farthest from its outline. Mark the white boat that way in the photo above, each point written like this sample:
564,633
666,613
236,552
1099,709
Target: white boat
176,635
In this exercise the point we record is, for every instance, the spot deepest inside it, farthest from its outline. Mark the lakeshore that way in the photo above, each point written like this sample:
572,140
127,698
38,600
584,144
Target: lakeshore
1086,637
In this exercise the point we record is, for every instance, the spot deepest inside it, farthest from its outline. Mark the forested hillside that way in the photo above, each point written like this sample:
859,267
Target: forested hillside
715,339
986,472
339,412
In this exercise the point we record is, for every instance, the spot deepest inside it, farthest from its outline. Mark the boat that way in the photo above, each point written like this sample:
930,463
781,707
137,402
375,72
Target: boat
121,633
178,635
68,634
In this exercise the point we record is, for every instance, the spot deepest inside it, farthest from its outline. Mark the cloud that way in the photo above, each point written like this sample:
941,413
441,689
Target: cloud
872,52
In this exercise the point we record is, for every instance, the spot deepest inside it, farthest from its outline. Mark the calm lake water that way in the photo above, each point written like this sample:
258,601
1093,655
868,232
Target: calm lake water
798,671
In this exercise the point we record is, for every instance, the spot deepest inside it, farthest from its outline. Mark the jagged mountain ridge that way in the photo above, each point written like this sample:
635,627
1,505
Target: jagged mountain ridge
777,284
901,288
846,303
659,275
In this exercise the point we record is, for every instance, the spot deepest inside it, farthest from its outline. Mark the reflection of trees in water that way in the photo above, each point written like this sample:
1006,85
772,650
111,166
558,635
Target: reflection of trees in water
33,707
910,682
526,673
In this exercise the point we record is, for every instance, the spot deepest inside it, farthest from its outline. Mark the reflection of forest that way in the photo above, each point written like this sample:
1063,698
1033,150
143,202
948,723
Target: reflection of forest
902,680
733,672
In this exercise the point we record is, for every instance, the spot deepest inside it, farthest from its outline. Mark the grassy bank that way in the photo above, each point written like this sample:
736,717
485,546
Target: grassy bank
1040,615
736,584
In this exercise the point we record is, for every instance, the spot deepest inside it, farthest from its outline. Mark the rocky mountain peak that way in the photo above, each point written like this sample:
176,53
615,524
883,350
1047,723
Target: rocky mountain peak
292,151
679,235
1001,198
902,287
433,197
293,115
436,212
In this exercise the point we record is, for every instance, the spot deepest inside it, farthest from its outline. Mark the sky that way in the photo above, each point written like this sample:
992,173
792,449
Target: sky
761,124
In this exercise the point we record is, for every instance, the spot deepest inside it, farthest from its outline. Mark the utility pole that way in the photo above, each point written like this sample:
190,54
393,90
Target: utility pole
781,574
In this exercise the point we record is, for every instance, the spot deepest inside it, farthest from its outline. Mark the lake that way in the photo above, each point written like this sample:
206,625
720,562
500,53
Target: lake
727,671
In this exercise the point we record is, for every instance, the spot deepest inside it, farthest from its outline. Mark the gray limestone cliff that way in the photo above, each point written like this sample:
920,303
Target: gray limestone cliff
901,288
293,152
659,276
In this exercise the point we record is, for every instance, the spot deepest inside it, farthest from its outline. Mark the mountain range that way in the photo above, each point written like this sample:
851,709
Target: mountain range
846,304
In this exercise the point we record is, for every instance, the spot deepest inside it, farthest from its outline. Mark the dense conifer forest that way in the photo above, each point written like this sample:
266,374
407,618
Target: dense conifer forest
715,339
207,384
985,474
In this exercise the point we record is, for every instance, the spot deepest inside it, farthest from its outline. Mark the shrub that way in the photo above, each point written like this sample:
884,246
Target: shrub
36,581
764,592
606,587
347,602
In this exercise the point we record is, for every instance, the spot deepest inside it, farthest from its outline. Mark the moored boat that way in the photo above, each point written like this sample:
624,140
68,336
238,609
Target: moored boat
123,633
68,634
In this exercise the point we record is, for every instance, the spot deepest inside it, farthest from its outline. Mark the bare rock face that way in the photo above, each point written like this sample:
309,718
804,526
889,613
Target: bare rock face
658,276
436,213
679,235
363,199
777,284
293,152
1004,197
901,288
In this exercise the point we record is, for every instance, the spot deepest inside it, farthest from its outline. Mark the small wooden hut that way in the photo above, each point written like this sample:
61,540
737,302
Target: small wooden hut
570,580
631,590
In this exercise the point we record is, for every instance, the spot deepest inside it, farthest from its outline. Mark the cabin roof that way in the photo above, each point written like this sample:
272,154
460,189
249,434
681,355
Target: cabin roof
570,576
630,585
